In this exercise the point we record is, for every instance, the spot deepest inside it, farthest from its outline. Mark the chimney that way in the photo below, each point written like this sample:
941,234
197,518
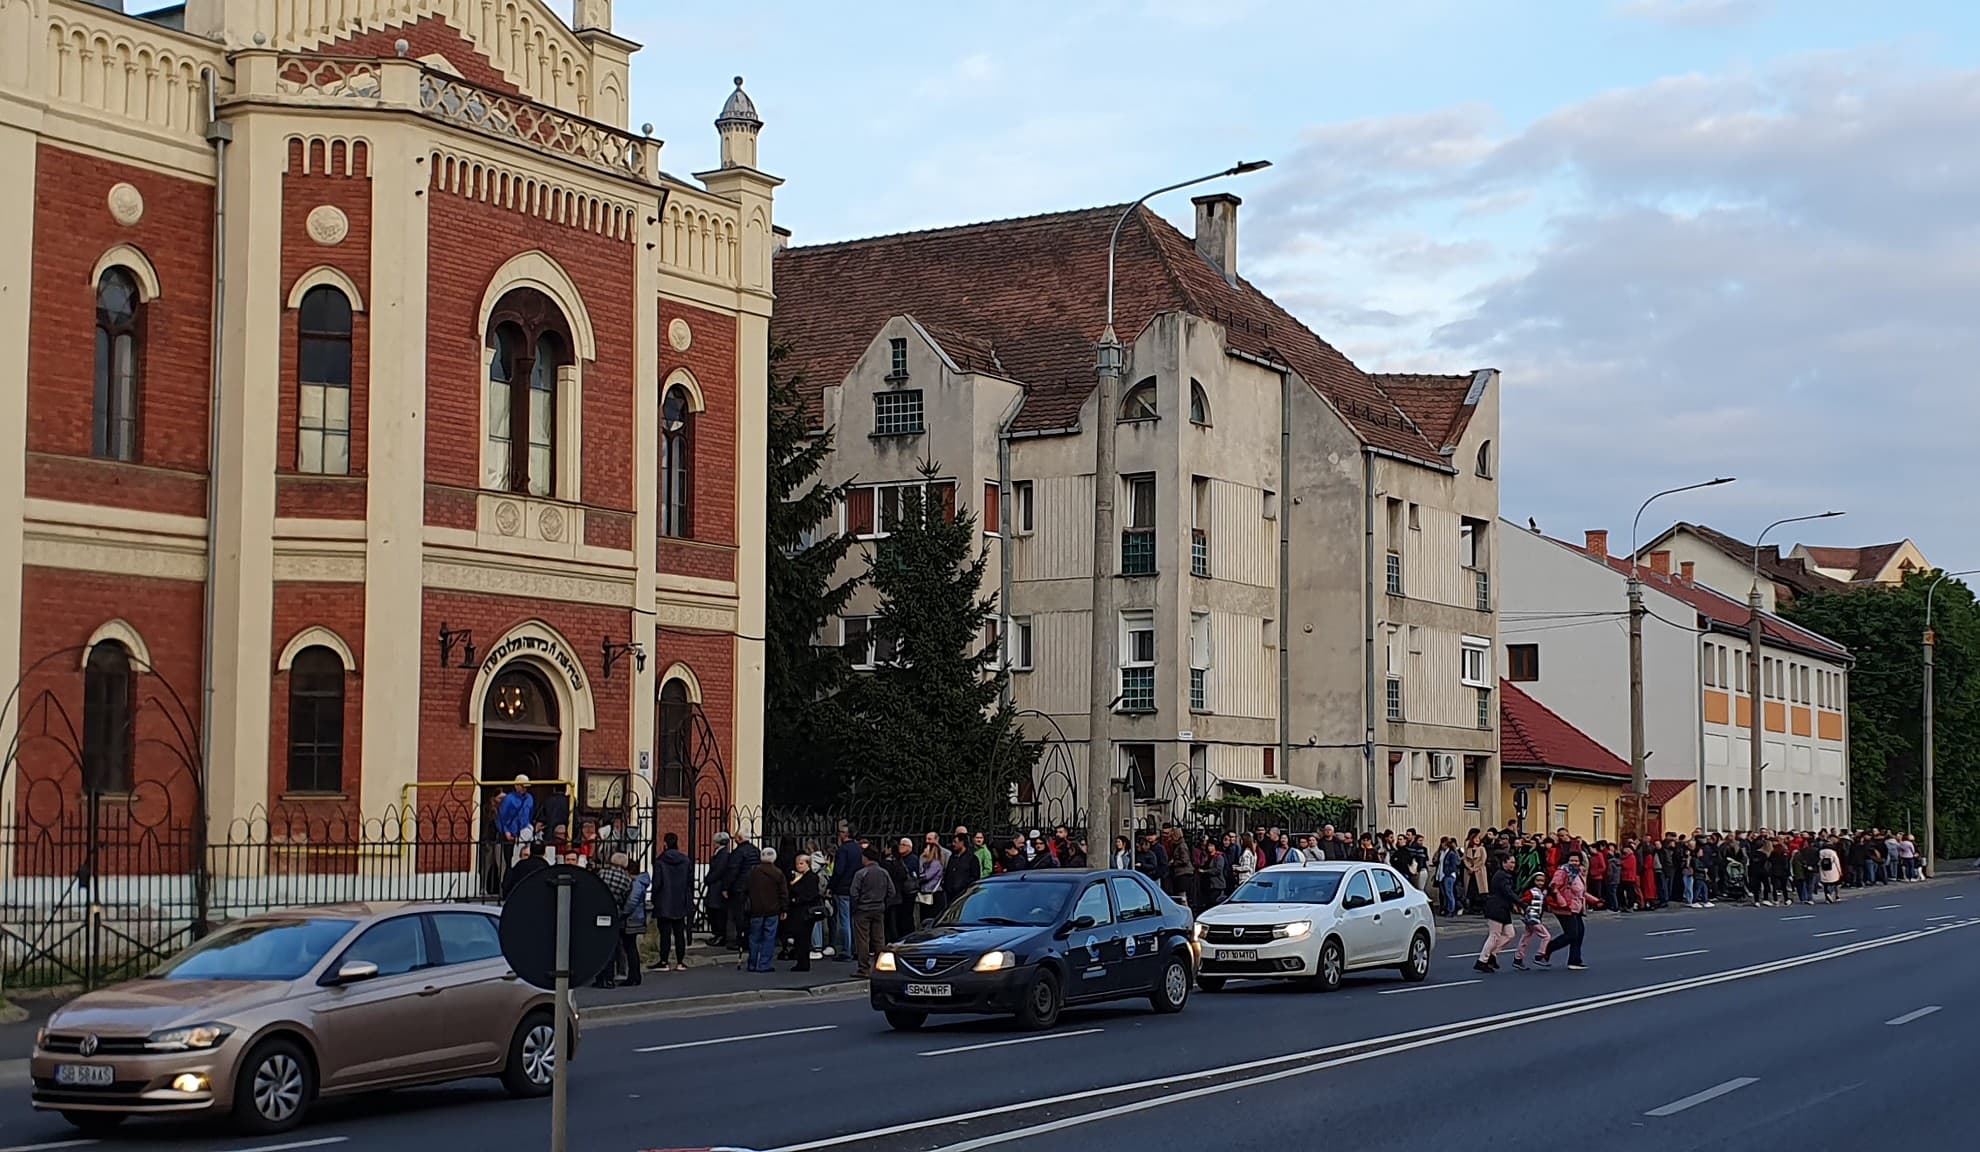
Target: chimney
1598,543
1685,570
1216,231
780,238
1660,562
590,15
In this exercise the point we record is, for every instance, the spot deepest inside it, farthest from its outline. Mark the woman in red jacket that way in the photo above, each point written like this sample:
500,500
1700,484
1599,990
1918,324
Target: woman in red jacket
1628,864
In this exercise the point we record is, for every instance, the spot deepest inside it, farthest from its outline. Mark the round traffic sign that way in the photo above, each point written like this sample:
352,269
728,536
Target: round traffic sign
529,925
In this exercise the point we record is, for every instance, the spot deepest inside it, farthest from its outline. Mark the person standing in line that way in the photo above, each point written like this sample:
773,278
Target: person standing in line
632,917
1476,880
1123,857
1567,896
928,894
715,892
1247,859
904,868
872,893
767,897
807,904
620,884
673,903
1532,907
1499,900
1629,868
1450,867
961,871
516,818
1831,872
847,860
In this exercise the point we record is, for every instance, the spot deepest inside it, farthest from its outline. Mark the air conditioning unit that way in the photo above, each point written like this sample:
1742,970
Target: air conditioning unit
1443,766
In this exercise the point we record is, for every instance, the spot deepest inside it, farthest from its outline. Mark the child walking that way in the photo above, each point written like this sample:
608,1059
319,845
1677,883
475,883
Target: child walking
1532,909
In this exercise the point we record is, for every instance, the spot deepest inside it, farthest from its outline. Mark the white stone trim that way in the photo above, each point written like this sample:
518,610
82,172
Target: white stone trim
326,276
127,257
696,401
121,631
683,673
537,269
313,637
576,710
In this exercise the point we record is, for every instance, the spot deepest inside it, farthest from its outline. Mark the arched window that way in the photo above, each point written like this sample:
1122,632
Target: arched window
1485,459
520,701
528,345
1199,404
1139,403
119,313
109,706
323,377
676,717
677,463
316,721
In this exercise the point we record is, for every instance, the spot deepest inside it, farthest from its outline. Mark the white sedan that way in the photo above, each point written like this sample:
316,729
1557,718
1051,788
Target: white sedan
1316,922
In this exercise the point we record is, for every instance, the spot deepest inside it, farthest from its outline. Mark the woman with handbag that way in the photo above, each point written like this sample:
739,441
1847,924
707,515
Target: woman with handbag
807,909
1568,900
928,898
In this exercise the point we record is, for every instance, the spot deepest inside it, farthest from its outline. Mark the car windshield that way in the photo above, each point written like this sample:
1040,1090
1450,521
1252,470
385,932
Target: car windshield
1024,904
1289,888
259,950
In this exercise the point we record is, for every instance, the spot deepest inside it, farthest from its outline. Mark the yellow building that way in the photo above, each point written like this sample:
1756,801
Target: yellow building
1557,776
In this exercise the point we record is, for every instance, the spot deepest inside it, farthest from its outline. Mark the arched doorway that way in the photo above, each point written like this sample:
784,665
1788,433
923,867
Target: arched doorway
521,733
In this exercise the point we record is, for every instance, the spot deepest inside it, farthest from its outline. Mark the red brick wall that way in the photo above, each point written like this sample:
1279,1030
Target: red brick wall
60,609
708,561
72,229
107,482
340,608
449,507
324,182
470,242
608,530
425,38
712,360
711,656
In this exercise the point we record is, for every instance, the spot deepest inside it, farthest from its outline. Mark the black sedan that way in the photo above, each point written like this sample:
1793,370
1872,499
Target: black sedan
1030,943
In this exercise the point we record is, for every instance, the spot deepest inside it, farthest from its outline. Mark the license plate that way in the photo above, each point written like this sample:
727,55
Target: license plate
85,1075
928,989
1237,953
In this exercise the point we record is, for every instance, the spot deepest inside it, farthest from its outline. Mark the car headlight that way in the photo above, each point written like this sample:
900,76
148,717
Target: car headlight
996,961
1196,931
195,1038
885,963
41,1038
1294,930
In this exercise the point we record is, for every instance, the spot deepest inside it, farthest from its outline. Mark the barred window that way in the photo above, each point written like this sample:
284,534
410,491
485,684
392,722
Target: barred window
897,413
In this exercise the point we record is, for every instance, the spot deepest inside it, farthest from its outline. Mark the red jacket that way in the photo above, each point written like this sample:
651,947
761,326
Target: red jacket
1598,868
1628,865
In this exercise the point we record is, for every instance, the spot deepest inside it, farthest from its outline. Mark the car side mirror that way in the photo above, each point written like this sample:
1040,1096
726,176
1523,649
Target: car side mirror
1081,923
1352,902
352,972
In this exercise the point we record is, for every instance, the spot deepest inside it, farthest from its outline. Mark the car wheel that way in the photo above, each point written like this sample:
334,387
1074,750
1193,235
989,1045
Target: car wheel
1173,992
904,1021
1332,964
532,1056
1210,983
1417,967
94,1123
1041,1003
274,1087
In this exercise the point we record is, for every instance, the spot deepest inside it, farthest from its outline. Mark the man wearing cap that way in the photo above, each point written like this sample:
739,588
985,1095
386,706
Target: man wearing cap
715,892
516,817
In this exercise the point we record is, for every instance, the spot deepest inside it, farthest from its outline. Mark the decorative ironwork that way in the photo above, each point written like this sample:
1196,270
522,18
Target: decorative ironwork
456,101
333,76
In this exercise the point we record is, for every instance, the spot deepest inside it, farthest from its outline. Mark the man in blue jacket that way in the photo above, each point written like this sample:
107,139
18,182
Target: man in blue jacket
846,862
517,815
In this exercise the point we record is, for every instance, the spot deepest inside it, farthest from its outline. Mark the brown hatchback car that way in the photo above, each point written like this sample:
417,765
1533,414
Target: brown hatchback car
272,1012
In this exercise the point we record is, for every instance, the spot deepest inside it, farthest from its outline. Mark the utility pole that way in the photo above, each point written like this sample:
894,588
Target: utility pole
1102,825
1756,811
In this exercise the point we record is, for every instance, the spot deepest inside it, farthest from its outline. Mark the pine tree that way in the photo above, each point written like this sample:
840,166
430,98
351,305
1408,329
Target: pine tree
800,719
926,728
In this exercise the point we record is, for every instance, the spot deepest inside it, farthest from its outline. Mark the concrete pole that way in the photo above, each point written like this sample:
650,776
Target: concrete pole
1756,817
1639,782
1101,827
1931,840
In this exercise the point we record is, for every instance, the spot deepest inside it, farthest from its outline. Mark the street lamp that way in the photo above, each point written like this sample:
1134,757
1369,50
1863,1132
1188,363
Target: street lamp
1639,782
1931,838
1756,799
1111,362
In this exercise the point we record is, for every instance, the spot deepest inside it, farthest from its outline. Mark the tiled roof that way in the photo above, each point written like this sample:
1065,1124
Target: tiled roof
1436,403
1035,289
1861,563
1797,576
1662,791
1723,609
1531,735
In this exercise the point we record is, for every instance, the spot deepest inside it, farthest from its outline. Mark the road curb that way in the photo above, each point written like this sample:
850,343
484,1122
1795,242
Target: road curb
680,1005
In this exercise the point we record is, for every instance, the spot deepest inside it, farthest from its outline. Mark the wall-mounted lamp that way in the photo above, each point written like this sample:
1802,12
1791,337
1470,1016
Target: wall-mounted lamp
615,652
449,638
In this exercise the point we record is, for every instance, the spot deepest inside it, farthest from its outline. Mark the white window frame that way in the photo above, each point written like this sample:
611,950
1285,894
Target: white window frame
1475,662
1200,659
1132,624
1399,780
1018,638
897,358
1022,508
1395,700
901,397
880,531
868,659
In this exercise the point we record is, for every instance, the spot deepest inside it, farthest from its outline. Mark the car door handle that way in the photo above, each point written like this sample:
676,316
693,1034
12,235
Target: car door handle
430,990
1378,917
509,975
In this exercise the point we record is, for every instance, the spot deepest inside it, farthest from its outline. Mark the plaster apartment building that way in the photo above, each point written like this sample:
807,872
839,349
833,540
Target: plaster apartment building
1366,675
376,418
1873,564
1727,562
1566,644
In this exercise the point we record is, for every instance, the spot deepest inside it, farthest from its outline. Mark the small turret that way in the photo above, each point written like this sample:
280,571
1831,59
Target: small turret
739,125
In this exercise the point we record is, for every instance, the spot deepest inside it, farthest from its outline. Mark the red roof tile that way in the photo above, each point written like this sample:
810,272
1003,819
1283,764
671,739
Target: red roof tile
1661,791
1531,735
1436,403
1795,575
1861,563
1034,289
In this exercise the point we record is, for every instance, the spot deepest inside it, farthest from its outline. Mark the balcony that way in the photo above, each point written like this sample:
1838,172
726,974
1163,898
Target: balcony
1138,552
1199,552
1137,690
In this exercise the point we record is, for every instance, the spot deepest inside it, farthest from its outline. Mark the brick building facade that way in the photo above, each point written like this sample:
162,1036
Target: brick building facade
465,482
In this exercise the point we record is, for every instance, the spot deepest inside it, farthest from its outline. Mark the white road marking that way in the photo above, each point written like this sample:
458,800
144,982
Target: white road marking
316,1143
1358,1051
52,1144
1837,932
1676,955
1888,907
1808,916
735,1039
1908,1017
1008,1043
1955,897
1671,932
1697,1098
1425,987
1929,919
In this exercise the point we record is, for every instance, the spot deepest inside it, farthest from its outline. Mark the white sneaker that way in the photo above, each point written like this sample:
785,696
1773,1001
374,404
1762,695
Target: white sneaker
1766,903
817,955
1709,904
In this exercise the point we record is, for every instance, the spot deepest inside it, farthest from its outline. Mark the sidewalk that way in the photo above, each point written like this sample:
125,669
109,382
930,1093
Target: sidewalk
713,981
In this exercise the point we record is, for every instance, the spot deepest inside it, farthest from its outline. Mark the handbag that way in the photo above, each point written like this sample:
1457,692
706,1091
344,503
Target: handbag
924,897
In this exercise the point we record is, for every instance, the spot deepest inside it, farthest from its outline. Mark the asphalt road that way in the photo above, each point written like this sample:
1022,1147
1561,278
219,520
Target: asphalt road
1838,1026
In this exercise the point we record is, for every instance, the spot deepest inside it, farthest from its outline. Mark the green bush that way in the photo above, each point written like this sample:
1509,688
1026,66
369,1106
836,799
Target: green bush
1304,813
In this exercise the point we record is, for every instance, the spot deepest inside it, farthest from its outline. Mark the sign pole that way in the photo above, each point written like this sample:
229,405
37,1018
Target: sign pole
560,1071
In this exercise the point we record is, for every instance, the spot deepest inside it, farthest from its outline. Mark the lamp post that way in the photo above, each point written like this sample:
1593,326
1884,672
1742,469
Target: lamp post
1756,815
1110,363
1639,782
1931,836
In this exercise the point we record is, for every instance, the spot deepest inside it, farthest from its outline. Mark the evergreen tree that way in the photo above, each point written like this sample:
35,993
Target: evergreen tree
927,728
800,678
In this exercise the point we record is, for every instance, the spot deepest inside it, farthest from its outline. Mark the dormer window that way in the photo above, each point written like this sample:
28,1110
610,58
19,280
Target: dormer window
1139,403
897,359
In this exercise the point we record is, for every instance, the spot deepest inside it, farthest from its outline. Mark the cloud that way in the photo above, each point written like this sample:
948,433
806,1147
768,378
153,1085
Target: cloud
1764,274
1694,13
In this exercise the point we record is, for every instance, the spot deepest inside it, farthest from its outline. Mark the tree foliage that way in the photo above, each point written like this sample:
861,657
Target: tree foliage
1883,627
801,678
1282,810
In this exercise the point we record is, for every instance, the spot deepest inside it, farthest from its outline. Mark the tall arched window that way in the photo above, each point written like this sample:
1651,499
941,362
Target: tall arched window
676,717
1485,459
119,315
1139,403
528,345
1199,404
323,376
316,721
677,463
109,708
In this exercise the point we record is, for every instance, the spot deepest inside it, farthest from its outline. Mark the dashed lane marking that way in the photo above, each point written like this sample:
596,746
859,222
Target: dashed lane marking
735,1039
1697,1098
1425,987
1008,1043
1676,955
1837,932
1671,932
1920,1014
